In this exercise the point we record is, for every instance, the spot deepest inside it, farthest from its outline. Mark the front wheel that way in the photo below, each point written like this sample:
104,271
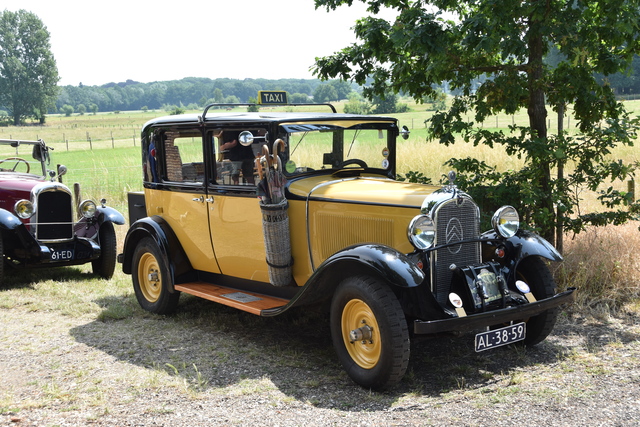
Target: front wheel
536,274
369,332
105,265
151,279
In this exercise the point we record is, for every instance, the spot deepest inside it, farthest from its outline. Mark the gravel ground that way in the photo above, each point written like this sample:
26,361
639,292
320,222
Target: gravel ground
180,371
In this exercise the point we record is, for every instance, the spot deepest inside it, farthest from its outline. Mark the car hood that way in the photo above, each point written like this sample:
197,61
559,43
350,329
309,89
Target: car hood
19,182
362,189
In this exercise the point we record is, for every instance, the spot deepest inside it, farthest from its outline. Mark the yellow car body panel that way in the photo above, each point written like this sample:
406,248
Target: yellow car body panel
186,218
345,212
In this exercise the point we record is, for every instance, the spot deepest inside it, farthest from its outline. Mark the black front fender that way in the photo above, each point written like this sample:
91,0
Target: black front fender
160,231
525,244
382,261
9,221
106,213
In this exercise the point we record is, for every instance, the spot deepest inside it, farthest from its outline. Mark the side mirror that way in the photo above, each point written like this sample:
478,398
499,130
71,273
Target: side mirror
62,169
245,138
404,133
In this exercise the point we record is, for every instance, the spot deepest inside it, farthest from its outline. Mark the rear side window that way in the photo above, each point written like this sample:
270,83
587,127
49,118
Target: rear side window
183,156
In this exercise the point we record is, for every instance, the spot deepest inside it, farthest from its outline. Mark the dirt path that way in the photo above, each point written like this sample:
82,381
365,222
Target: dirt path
180,371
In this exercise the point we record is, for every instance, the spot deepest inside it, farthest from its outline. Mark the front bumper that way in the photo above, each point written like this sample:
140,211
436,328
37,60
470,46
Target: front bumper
491,318
77,251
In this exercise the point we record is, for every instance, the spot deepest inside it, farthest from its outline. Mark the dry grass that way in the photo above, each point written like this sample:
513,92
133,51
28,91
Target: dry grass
602,263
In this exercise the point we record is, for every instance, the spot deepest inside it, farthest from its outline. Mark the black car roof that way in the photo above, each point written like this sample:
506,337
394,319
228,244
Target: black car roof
262,117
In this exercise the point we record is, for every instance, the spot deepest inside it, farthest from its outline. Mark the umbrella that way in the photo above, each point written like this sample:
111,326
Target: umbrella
264,193
275,178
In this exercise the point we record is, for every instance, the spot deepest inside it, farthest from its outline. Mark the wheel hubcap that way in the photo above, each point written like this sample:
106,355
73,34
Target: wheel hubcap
361,334
149,277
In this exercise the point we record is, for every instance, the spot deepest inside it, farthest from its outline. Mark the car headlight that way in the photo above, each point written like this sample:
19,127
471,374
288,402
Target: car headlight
24,209
422,232
506,221
88,209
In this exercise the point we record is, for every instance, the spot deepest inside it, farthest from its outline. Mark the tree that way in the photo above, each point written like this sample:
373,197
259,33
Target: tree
325,93
357,105
491,53
343,89
28,71
299,98
67,110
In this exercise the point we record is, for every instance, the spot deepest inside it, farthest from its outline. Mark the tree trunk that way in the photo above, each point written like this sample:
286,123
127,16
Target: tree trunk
538,120
559,215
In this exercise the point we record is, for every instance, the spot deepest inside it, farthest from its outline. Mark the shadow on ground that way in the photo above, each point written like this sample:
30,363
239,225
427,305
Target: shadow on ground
213,347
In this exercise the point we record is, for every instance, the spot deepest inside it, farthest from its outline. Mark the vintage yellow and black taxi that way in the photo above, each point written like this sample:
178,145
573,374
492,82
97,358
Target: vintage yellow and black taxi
266,211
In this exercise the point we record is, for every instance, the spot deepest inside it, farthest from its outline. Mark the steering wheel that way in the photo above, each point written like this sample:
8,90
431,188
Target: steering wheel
358,162
18,160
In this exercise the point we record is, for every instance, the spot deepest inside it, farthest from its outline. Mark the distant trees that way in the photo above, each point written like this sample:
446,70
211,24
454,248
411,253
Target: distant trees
325,93
67,110
28,71
298,98
132,95
357,105
387,104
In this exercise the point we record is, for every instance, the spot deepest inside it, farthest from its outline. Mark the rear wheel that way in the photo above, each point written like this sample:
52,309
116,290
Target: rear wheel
1,263
151,279
369,332
106,264
535,273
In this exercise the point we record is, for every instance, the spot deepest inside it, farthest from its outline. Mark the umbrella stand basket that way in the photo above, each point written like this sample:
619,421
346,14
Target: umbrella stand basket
277,244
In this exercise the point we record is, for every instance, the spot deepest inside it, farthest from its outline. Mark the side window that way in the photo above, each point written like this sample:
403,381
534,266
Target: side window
183,156
235,162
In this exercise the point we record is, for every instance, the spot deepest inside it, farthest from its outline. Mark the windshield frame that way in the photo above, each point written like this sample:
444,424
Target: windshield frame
341,145
24,150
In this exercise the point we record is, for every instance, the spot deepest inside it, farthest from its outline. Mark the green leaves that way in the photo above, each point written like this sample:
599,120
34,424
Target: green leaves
28,72
491,54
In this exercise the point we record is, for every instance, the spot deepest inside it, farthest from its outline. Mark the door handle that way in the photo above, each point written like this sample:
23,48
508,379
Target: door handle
199,199
209,200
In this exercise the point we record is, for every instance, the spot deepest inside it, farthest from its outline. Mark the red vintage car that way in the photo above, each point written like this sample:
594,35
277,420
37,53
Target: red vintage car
41,224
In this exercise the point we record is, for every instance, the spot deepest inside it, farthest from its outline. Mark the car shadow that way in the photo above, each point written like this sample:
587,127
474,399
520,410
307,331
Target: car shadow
26,278
213,347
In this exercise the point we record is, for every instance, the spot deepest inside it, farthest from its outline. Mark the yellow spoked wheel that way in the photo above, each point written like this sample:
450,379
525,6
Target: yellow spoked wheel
150,277
152,281
361,334
369,332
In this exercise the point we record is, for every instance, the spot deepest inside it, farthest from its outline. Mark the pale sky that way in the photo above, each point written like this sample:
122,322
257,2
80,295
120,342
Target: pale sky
98,42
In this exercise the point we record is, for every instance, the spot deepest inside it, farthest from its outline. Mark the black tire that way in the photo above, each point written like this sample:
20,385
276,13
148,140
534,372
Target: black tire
381,361
151,279
534,271
106,264
1,263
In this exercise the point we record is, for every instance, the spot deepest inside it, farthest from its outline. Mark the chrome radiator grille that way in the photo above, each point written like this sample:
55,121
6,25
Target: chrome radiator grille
456,219
54,216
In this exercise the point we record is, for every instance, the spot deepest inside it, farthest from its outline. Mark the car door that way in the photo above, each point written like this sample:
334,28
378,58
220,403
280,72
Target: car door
181,197
235,221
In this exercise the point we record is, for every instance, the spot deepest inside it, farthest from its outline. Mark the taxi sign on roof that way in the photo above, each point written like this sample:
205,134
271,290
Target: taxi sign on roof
272,97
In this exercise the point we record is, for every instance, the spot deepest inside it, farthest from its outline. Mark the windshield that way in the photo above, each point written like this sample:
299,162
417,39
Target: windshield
316,147
22,157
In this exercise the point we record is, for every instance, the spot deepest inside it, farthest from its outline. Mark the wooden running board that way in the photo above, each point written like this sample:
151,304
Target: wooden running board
243,300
